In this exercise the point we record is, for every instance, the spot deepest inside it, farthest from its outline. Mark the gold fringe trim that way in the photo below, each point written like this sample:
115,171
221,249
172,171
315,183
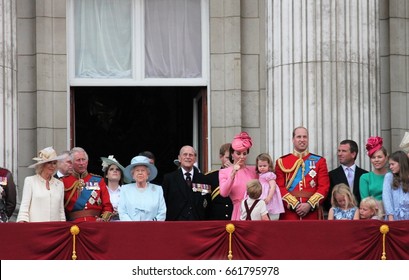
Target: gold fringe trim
384,229
230,229
74,231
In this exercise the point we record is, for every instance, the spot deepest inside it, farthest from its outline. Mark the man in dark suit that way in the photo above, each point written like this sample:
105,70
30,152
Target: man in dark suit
186,192
348,172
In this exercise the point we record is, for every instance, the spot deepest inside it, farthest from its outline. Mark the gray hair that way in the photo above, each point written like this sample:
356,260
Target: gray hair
78,150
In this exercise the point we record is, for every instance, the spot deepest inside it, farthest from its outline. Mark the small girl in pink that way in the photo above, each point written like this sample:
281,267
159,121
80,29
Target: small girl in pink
270,193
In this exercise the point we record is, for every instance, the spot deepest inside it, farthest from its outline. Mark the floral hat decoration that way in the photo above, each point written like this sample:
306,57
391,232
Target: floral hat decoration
373,144
46,155
242,142
107,161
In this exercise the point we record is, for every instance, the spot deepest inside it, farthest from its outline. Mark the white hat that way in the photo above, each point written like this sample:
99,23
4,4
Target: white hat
141,160
46,155
404,144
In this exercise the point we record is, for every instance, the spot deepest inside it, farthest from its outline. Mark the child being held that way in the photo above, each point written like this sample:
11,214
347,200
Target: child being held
370,208
343,203
270,191
253,208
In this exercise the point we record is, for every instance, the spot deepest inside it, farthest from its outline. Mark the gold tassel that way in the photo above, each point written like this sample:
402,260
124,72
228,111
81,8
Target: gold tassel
74,231
230,229
384,229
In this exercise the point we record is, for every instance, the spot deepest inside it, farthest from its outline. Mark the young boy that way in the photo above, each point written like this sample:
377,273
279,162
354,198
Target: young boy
253,208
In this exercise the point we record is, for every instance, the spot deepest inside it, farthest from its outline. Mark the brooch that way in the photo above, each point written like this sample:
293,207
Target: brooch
312,173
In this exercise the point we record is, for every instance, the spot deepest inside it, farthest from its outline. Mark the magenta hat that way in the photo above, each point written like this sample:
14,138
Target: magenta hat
241,142
373,144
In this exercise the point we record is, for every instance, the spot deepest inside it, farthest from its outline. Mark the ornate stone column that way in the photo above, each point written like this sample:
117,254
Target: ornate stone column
8,89
323,74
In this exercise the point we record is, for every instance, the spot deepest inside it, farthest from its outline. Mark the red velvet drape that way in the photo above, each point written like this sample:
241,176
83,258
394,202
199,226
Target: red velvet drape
272,240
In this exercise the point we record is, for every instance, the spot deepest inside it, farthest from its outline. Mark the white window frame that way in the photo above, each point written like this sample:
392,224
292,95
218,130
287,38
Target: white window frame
138,54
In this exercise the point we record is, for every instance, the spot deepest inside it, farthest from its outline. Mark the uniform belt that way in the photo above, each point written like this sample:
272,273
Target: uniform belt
302,194
84,213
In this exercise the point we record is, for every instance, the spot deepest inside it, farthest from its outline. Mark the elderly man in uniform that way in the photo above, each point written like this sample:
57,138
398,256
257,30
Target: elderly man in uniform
86,195
186,192
303,180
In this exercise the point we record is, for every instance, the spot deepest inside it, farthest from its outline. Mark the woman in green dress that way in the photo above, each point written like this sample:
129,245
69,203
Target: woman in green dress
371,183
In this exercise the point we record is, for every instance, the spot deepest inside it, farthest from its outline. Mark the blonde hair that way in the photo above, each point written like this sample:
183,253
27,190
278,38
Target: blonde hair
343,189
374,205
254,188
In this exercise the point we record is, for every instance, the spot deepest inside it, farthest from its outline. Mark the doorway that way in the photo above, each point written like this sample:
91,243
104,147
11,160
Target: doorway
124,121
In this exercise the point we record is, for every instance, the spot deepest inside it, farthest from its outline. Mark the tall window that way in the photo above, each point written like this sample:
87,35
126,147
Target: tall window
103,38
173,39
137,40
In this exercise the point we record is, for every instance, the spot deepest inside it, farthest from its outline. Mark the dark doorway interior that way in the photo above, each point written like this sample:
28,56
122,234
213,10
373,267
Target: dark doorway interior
124,121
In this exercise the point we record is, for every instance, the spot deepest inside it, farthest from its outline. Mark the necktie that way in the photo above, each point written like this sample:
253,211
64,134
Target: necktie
350,177
188,179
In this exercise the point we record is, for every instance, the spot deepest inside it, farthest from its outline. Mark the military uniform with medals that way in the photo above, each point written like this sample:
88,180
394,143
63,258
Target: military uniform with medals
184,202
86,198
221,207
302,178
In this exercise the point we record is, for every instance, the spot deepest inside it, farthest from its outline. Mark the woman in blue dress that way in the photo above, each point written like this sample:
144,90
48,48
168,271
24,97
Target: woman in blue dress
395,193
141,200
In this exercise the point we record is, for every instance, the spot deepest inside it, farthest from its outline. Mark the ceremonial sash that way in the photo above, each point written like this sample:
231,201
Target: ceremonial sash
85,195
312,159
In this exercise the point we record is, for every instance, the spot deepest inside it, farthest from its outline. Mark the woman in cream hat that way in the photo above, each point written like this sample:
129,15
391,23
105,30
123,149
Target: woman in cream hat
141,200
233,179
43,195
114,178
404,144
371,183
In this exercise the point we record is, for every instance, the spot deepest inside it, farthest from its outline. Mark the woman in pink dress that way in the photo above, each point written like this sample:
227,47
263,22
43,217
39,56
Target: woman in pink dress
233,179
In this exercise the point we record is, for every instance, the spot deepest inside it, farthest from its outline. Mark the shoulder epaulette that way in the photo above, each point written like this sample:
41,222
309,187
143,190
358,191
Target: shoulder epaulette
211,171
289,154
315,156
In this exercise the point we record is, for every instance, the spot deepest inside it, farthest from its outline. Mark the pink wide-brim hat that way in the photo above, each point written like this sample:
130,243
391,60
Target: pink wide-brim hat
242,142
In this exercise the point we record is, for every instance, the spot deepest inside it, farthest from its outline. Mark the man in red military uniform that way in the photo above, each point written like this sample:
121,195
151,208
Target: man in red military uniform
303,180
86,195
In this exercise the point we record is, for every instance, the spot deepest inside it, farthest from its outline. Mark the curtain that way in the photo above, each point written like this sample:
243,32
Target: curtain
103,38
173,39
253,240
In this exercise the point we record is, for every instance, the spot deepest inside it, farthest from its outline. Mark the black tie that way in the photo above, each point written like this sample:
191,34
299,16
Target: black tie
188,179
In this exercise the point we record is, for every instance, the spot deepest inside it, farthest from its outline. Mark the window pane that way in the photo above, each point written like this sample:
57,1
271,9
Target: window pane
103,41
173,39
